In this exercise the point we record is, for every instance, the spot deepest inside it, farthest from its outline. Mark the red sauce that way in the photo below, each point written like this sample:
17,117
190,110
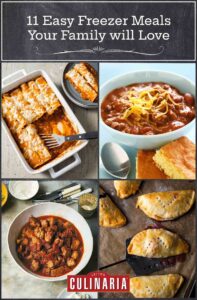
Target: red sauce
180,111
48,124
49,246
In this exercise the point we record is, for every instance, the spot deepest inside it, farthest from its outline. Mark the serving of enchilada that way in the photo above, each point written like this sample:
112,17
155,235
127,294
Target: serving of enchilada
33,108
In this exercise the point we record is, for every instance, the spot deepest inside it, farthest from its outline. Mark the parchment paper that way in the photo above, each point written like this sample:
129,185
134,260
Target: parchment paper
112,241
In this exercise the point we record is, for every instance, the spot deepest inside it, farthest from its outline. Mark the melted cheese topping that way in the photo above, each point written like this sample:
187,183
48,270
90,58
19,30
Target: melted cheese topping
28,104
154,101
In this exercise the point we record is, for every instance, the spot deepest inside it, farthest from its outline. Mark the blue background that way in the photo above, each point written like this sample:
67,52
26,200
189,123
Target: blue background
110,70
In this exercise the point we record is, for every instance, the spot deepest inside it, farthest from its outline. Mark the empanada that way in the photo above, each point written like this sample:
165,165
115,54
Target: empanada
157,243
109,213
156,286
163,206
126,188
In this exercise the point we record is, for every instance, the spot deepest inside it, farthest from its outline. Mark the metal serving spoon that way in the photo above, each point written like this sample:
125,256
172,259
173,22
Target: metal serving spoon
115,160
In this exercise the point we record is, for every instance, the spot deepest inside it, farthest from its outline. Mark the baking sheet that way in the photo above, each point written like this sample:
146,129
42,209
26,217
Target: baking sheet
112,241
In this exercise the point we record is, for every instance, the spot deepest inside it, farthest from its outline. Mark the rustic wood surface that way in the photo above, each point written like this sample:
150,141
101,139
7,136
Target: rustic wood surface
11,165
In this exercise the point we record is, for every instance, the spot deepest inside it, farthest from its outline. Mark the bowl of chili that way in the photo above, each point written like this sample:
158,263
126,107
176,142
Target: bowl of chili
147,109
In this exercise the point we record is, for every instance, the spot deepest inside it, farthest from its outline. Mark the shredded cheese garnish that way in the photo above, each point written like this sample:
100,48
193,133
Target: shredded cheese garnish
153,101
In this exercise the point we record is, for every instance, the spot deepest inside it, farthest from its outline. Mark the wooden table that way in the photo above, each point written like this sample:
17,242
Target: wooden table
11,165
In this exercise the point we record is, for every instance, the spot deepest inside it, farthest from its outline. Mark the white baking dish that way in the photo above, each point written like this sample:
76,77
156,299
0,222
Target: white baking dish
21,77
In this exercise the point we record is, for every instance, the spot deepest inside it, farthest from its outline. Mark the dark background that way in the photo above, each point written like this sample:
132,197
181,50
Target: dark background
17,46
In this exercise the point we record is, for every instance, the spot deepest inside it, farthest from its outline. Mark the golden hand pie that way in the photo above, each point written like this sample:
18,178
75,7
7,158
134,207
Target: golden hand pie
126,188
163,206
102,193
156,243
156,286
109,213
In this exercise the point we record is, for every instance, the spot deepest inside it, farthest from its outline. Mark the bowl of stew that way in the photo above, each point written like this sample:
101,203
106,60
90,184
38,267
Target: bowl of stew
147,109
50,241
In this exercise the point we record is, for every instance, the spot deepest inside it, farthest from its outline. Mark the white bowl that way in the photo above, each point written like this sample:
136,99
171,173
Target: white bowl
55,209
15,189
147,141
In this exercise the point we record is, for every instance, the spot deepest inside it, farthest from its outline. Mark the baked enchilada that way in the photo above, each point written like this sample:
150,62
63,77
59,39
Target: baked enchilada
83,77
31,109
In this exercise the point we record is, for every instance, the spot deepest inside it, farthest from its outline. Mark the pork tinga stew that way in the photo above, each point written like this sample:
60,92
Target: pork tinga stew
49,246
147,108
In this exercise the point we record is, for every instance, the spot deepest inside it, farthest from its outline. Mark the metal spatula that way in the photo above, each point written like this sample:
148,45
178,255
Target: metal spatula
146,266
